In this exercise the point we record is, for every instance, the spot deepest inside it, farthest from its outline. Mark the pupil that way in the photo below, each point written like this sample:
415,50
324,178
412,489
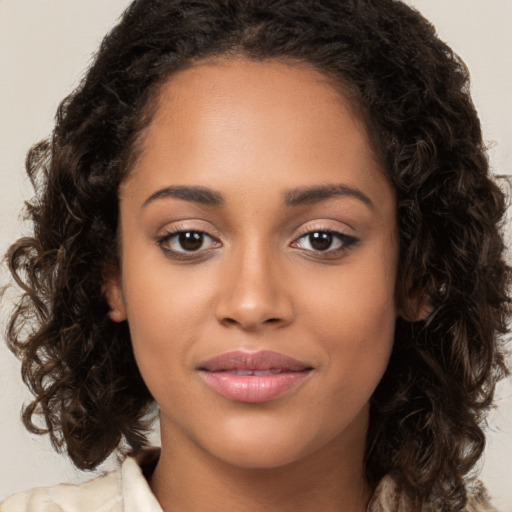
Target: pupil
320,240
191,240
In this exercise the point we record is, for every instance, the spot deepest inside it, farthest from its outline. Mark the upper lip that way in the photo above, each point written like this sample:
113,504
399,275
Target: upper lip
263,360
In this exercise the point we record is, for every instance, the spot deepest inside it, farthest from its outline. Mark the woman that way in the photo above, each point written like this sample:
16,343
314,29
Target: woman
275,221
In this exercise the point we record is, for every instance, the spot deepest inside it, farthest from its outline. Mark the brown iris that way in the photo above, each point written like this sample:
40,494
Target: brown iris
191,240
320,240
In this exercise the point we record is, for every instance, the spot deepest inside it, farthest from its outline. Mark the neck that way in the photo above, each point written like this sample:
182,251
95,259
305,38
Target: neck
189,479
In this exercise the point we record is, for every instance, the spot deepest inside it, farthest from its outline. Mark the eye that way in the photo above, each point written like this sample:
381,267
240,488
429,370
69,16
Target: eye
325,241
183,242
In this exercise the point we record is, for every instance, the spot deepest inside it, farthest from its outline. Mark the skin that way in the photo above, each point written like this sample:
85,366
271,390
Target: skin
252,132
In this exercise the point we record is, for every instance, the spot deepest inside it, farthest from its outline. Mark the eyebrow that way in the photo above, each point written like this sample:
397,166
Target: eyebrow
201,195
316,194
294,197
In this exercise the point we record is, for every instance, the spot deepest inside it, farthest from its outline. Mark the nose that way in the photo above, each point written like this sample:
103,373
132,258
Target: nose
254,294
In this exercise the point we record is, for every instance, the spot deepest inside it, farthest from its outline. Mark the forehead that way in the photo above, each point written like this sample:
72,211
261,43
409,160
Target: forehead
243,79
230,119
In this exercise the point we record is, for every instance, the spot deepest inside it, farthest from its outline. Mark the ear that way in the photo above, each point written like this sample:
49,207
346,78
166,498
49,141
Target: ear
414,306
114,294
421,310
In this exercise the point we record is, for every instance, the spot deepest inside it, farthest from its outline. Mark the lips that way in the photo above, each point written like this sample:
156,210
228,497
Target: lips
253,376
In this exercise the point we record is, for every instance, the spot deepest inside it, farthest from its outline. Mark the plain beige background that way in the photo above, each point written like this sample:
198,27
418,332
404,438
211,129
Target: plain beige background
45,45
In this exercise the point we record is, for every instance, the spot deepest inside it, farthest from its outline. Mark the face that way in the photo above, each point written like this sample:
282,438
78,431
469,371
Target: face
259,255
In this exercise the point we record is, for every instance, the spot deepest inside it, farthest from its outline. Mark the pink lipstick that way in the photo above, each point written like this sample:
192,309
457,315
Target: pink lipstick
253,376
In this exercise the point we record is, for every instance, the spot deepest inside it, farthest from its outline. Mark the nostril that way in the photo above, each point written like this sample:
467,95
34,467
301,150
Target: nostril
228,321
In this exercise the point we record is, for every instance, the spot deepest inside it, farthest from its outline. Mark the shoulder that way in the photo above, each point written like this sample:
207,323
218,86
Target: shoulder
389,498
124,490
102,494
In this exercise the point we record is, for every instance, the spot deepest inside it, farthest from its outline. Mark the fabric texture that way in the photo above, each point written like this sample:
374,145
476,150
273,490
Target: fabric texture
127,490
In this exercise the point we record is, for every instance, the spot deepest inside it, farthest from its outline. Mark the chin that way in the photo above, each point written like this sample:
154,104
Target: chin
251,455
266,444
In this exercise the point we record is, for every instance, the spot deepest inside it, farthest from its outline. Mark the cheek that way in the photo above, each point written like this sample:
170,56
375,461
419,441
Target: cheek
353,316
356,338
160,295
166,311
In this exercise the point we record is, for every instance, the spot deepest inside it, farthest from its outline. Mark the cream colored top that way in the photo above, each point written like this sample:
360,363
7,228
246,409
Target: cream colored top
127,490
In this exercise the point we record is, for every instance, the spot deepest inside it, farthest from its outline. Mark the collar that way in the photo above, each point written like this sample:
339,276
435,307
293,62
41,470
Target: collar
135,489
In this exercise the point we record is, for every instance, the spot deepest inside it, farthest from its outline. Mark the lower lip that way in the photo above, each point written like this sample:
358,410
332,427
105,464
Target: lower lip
253,388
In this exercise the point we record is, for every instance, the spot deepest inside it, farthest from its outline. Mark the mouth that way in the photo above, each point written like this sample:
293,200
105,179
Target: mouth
253,377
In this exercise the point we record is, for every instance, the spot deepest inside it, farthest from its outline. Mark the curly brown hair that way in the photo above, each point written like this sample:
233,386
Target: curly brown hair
412,91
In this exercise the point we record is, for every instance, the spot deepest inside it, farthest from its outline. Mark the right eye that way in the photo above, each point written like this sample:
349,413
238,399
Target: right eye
183,242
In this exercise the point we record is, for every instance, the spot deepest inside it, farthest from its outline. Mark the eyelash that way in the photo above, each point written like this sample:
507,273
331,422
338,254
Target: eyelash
163,241
345,241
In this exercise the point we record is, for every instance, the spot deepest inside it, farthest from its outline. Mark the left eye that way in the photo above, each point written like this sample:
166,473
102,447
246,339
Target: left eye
187,241
324,241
